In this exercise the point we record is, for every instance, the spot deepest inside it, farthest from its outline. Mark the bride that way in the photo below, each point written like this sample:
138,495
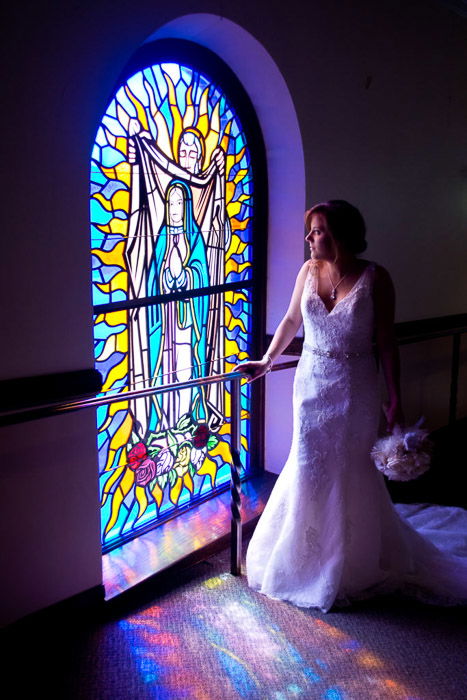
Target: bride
329,533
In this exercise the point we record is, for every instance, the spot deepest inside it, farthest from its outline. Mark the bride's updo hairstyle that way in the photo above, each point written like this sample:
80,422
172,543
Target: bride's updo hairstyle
344,221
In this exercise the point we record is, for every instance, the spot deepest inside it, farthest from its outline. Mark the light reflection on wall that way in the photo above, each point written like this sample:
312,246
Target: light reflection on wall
218,639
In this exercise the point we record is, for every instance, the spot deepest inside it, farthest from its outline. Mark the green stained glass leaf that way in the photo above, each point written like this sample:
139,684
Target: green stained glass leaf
162,480
185,423
212,442
172,443
155,436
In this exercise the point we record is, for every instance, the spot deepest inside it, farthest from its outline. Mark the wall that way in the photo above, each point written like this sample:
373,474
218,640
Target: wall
380,97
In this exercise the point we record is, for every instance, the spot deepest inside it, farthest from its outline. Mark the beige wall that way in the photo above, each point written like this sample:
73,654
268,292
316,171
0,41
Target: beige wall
379,91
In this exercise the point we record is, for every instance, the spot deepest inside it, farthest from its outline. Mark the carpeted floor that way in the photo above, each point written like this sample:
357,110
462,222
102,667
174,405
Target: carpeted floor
207,636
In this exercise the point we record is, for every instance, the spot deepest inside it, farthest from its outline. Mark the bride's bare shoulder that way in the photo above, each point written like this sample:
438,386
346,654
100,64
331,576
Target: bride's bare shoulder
301,279
304,270
382,275
308,271
311,266
383,290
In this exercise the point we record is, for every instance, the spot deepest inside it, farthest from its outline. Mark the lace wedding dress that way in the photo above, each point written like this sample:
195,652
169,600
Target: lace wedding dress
329,533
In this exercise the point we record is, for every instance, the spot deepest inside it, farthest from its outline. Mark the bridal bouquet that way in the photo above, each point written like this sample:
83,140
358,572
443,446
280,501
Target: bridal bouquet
404,455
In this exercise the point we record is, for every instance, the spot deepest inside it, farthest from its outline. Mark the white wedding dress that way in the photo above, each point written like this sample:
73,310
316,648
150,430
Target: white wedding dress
329,533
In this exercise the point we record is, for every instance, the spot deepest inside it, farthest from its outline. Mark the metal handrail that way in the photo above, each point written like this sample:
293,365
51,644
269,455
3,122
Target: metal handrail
19,415
59,408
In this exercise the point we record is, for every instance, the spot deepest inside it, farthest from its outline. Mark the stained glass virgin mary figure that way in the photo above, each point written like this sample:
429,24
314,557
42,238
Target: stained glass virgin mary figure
177,329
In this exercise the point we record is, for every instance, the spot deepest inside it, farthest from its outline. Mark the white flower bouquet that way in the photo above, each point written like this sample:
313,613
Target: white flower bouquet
405,454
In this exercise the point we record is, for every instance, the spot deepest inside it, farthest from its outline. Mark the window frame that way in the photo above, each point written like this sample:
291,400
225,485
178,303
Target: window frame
208,63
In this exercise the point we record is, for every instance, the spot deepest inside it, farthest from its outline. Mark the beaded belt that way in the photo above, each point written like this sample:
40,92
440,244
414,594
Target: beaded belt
336,354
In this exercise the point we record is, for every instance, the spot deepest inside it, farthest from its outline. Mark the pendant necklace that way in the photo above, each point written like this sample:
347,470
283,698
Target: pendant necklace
333,294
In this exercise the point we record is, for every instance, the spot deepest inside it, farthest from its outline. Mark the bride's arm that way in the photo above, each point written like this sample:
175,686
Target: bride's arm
285,333
388,352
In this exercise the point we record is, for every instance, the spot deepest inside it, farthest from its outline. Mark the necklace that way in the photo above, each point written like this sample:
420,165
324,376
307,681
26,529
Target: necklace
333,294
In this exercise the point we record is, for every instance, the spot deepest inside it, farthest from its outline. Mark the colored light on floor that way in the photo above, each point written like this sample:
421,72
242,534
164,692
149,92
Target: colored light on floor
216,639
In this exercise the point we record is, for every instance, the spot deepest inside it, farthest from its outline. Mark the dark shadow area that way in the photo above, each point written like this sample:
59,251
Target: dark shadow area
443,483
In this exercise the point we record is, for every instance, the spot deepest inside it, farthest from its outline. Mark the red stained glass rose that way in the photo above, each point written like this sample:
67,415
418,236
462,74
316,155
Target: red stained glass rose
201,436
136,455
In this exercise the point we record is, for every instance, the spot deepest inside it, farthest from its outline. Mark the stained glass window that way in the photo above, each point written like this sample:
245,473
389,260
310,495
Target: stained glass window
172,206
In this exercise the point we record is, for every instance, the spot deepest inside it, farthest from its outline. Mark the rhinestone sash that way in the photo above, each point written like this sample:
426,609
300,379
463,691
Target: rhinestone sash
336,354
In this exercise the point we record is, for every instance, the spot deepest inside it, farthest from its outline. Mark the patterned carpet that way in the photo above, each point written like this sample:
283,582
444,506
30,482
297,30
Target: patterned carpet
212,638
219,639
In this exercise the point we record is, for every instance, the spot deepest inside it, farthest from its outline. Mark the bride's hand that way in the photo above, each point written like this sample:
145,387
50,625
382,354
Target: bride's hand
254,369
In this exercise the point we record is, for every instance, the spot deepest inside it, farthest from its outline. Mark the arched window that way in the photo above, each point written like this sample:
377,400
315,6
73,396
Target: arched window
178,239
